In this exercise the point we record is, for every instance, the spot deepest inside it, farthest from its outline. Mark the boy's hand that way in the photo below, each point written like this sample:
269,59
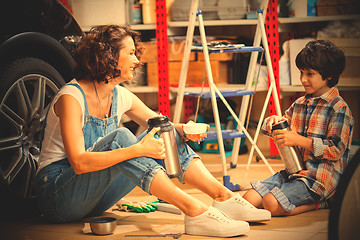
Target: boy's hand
273,120
286,138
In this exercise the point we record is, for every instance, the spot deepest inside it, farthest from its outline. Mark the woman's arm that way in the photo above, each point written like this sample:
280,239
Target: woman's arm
139,112
69,111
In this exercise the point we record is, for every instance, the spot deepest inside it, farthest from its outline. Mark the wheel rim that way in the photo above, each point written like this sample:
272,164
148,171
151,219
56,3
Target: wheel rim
22,112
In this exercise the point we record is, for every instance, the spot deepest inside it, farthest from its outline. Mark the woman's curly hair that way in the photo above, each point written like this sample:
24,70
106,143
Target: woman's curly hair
98,52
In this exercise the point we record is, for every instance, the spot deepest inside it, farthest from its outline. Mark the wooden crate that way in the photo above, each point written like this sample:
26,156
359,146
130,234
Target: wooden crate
220,70
175,52
351,48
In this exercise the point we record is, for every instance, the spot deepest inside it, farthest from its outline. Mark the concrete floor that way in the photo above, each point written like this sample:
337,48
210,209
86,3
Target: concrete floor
309,226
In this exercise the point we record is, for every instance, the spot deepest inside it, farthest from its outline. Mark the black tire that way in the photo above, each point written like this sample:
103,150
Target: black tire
27,86
345,211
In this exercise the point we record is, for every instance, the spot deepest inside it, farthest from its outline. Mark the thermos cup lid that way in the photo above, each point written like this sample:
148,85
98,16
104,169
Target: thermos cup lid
156,121
280,125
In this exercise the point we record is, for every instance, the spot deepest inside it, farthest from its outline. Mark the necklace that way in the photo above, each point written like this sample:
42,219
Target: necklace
97,95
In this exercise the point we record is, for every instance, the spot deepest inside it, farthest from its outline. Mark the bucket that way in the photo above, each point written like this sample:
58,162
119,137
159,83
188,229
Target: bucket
148,11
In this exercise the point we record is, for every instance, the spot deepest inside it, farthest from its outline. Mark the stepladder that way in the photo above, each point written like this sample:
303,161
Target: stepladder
214,93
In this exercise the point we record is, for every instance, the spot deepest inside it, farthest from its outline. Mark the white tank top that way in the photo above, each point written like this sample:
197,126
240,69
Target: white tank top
52,148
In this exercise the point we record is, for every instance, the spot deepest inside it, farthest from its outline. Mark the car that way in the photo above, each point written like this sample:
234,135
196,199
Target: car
37,38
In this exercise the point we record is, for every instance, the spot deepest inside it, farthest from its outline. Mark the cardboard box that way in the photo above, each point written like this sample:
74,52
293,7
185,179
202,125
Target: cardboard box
89,13
195,73
336,7
295,46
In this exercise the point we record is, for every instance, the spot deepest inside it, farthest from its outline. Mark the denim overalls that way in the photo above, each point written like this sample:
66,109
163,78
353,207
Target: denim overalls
65,196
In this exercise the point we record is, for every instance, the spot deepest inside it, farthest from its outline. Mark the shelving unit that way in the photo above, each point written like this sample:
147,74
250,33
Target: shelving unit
209,23
174,26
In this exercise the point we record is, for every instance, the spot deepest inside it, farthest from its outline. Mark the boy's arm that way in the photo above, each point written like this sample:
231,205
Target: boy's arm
339,135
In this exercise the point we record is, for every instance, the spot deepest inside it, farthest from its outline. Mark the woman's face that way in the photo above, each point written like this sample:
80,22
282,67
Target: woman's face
127,59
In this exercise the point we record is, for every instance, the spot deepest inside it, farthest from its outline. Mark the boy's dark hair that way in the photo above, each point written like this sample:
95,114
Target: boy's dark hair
98,52
324,57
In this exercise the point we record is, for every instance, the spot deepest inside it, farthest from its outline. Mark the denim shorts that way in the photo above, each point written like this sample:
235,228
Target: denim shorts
289,193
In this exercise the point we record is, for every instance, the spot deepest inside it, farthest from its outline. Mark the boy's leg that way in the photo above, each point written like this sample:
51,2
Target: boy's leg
291,198
254,198
272,204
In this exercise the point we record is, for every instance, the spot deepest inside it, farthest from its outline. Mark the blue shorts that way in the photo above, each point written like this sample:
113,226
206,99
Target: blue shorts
289,193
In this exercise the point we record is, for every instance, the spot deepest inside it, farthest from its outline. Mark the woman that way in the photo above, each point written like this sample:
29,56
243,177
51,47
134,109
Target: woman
88,163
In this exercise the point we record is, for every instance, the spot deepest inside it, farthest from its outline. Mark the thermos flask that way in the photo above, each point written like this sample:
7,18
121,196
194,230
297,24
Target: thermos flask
171,162
290,155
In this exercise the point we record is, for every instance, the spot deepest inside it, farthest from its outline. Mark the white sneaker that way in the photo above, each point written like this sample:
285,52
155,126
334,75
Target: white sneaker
214,223
238,208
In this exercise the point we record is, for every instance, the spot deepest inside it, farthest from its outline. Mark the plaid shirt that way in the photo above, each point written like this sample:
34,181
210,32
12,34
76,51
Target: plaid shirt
328,121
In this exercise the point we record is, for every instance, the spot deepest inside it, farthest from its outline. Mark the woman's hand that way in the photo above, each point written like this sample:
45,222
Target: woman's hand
151,146
195,137
273,120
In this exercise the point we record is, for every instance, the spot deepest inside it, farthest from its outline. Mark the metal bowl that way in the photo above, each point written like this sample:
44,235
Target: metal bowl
103,225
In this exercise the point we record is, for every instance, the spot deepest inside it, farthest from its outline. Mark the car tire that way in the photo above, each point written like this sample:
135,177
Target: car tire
27,86
345,211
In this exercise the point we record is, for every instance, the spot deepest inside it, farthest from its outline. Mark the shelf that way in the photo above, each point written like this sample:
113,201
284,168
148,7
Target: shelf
221,87
317,19
143,26
226,134
142,89
215,23
241,87
288,20
232,48
225,93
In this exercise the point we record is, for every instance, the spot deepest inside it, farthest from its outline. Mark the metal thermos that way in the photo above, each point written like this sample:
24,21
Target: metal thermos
171,162
290,155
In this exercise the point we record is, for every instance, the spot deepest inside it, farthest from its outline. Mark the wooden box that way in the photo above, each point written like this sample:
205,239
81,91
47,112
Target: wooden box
195,75
351,48
175,52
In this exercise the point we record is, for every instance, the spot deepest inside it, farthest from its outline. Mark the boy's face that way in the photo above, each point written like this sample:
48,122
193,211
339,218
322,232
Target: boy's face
313,82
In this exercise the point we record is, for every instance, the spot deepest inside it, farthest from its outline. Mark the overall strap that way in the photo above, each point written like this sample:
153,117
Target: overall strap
82,92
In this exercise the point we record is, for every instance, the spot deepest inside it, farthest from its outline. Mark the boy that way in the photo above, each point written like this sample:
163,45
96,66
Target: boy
321,125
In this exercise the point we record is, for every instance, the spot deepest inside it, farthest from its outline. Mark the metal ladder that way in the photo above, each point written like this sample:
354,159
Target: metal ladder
215,92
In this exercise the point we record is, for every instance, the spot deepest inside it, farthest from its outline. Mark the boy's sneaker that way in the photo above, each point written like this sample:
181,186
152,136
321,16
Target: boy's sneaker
238,208
214,223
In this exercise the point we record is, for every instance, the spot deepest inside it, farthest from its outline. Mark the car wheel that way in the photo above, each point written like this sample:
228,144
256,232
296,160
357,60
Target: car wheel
27,87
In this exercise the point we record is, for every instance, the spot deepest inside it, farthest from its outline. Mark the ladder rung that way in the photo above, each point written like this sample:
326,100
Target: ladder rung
225,93
227,134
231,48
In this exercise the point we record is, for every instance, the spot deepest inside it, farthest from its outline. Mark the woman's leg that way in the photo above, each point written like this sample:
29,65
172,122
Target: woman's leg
163,188
75,196
233,205
199,176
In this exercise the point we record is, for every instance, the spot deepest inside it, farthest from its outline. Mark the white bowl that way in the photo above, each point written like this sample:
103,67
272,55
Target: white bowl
195,128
